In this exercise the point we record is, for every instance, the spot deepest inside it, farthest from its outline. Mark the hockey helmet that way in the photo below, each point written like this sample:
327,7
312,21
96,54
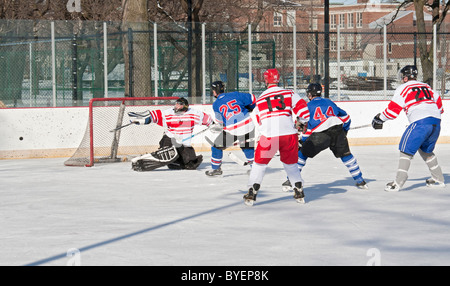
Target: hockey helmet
271,76
183,102
409,71
314,89
218,87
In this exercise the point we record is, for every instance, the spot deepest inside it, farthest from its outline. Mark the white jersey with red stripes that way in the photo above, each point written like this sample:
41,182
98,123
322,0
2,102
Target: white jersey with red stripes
180,125
418,101
275,109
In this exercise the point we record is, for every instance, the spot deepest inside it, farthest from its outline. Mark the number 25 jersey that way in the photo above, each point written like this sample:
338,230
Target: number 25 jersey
417,99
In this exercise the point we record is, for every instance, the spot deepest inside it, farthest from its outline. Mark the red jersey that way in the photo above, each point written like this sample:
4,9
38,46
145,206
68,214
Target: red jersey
275,109
180,125
418,101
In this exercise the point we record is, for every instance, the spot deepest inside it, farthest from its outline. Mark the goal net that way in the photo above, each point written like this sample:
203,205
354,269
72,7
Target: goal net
103,144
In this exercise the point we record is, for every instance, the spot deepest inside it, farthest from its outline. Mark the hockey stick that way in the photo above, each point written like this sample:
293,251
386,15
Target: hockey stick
237,160
120,127
193,135
361,126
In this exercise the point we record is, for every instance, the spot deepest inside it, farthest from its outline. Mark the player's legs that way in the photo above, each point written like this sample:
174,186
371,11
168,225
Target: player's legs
249,154
413,137
435,170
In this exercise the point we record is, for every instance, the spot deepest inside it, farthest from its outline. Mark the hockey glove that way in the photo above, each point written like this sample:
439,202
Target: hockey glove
140,117
216,128
377,123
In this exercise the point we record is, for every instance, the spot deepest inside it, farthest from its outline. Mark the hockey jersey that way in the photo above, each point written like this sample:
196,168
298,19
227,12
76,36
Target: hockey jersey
275,109
232,110
418,101
325,114
180,125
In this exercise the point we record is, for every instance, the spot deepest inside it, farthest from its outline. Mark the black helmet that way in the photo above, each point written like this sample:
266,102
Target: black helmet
314,89
409,71
184,102
218,86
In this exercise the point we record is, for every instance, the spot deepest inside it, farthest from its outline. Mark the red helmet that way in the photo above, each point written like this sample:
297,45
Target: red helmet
271,76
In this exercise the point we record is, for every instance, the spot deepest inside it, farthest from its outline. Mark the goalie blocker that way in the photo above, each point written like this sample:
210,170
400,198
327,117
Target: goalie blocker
160,158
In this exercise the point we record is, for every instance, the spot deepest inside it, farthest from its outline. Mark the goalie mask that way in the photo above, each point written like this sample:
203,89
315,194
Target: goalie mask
181,105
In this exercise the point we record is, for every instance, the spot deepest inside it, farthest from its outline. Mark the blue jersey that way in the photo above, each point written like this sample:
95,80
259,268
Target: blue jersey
232,110
324,114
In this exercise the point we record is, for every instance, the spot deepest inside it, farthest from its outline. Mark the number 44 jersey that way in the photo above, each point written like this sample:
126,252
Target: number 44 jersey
417,99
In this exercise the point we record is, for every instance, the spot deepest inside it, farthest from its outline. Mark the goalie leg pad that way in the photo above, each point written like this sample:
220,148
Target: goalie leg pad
154,160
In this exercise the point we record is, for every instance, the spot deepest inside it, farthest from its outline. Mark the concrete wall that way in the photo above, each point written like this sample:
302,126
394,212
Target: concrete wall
57,132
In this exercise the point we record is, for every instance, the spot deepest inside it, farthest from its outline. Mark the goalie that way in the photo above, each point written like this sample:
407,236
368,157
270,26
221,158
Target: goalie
175,146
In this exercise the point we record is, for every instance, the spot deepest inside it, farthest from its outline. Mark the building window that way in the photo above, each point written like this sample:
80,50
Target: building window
332,21
342,21
333,43
277,19
359,20
389,48
350,20
350,43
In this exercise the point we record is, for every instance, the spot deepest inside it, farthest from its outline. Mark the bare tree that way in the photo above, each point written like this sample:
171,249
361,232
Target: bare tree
135,20
438,16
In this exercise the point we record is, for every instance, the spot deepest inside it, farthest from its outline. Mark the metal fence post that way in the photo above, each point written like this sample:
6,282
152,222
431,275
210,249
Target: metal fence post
385,61
249,58
52,28
105,58
294,56
434,57
155,57
203,63
74,70
130,62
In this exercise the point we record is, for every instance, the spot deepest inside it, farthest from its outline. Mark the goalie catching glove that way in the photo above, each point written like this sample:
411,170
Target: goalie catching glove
140,117
377,123
154,160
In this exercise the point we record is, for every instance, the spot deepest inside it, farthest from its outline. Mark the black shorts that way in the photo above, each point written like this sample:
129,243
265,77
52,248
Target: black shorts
186,153
334,138
225,140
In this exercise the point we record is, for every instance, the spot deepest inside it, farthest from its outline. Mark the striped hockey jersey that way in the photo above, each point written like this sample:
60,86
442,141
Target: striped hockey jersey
276,109
418,101
180,125
232,110
325,114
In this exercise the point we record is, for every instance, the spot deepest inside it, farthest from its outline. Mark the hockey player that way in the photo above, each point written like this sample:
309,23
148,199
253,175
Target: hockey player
179,124
423,108
235,126
327,128
274,112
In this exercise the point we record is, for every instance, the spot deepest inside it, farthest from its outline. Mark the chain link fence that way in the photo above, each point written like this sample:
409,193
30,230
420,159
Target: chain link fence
63,63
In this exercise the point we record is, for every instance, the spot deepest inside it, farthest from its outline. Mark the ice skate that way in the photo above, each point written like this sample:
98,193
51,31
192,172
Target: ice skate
392,187
250,197
214,172
299,196
362,185
287,187
432,183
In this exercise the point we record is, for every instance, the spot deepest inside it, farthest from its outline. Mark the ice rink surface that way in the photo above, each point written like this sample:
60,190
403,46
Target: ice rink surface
112,215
